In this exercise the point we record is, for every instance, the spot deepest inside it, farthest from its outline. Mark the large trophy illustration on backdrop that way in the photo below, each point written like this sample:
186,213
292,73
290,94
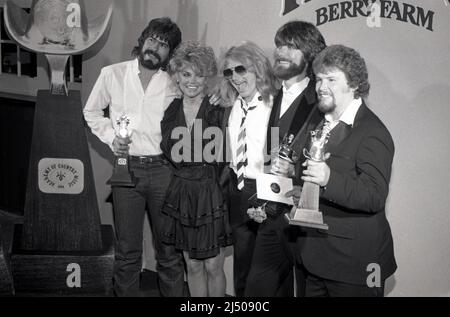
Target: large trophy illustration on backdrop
61,247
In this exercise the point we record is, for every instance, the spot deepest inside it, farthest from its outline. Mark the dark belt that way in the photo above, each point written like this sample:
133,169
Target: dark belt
147,158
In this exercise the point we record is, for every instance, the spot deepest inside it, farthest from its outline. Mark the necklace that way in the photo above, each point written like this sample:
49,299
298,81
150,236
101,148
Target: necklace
190,113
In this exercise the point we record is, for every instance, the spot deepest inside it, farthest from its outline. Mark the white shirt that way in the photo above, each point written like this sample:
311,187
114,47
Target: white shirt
119,87
289,95
256,133
348,116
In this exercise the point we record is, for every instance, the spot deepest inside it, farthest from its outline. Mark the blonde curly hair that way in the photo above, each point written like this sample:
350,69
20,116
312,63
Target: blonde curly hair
191,54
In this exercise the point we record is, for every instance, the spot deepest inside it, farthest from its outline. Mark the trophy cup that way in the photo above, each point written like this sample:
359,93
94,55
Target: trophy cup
285,156
61,247
122,176
307,213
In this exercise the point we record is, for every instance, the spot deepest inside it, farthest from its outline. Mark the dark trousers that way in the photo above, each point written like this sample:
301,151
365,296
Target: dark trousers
129,212
320,287
273,263
244,231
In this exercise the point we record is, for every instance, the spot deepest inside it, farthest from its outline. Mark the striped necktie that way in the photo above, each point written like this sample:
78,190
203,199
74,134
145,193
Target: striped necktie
242,147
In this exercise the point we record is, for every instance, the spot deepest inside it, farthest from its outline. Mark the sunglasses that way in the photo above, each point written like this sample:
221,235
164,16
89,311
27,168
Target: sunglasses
240,70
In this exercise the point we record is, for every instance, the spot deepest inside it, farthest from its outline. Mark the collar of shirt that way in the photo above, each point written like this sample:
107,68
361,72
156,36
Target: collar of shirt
289,95
256,130
136,70
349,114
297,88
256,100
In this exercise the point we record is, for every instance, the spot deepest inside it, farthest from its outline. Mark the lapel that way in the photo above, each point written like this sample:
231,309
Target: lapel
306,102
342,131
337,136
306,116
274,118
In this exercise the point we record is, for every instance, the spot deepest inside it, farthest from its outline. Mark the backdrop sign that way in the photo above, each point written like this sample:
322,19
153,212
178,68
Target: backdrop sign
372,10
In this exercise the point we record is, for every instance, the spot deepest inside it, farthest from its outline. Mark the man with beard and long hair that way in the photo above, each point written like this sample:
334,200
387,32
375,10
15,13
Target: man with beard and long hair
294,112
141,90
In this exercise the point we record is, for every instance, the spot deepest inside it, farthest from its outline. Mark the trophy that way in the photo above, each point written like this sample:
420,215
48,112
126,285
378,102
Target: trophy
286,157
122,176
61,244
307,213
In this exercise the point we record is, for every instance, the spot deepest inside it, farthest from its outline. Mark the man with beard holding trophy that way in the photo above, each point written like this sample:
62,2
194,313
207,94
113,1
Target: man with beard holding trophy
294,113
137,93
355,255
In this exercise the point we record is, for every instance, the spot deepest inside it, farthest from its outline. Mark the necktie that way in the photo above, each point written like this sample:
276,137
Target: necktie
242,147
327,127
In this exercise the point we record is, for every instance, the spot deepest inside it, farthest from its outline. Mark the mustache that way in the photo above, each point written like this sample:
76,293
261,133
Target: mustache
155,54
280,59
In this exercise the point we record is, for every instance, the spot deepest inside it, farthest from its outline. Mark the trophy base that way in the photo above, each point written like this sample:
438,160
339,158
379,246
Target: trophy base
50,273
122,180
307,218
122,183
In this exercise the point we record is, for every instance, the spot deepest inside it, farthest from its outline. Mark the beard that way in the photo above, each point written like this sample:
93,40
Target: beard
292,71
326,107
149,63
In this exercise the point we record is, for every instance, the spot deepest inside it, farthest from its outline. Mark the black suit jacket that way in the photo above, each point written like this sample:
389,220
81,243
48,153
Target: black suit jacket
353,205
303,117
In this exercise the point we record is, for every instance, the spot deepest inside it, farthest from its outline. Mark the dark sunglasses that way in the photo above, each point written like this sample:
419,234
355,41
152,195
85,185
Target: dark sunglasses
240,70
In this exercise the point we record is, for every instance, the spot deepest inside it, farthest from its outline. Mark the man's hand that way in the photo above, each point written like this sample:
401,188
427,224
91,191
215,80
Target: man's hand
317,172
295,194
121,145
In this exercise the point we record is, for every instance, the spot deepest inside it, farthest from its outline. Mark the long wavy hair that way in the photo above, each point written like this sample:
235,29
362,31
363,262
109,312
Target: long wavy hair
164,29
304,36
254,60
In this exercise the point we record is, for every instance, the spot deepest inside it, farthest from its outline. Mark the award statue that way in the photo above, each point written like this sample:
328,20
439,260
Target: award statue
307,213
62,247
122,176
285,158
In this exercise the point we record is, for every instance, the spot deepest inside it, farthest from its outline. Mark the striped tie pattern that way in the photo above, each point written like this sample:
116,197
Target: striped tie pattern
242,147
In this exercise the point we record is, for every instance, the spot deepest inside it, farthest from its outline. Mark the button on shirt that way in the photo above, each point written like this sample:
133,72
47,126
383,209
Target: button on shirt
119,87
289,95
255,129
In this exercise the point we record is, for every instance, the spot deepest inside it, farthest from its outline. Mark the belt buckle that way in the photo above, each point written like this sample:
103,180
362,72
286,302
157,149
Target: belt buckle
142,159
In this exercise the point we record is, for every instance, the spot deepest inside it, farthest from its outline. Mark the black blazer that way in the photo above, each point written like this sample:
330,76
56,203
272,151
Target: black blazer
303,118
353,205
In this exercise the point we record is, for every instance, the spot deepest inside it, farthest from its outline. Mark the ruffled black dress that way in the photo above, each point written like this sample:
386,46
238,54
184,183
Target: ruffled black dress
195,216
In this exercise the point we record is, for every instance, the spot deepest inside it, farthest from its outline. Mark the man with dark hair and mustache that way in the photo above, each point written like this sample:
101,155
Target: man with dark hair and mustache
141,90
294,112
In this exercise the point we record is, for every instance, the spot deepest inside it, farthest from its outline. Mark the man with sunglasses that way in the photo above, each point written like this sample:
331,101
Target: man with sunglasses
140,89
294,112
